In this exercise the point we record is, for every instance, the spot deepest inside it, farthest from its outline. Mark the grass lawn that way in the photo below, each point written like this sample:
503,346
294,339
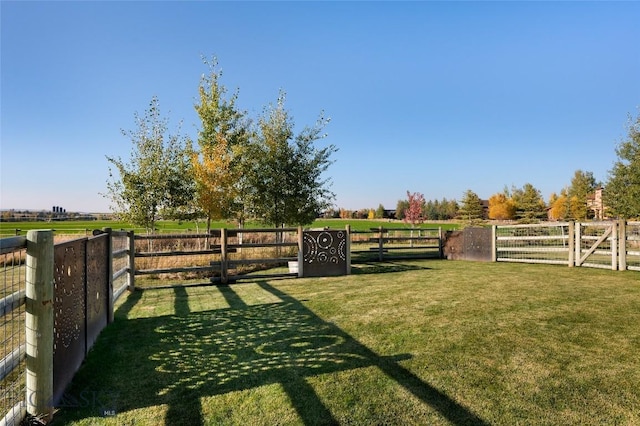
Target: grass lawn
414,342
8,229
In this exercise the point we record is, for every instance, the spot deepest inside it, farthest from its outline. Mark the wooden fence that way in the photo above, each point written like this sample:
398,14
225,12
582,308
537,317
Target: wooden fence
56,299
231,254
610,245
396,243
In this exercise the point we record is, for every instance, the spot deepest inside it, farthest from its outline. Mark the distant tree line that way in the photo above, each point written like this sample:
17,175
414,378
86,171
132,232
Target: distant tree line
621,195
237,169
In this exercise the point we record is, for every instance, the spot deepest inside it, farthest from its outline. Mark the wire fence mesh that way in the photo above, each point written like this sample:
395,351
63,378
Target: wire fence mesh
540,243
12,324
633,246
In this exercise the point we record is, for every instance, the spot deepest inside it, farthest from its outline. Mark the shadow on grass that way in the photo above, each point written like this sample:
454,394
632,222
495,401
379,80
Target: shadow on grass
177,359
384,267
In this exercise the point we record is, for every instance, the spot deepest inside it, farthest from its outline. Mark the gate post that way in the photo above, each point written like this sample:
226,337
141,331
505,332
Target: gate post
578,243
39,323
572,244
622,241
614,246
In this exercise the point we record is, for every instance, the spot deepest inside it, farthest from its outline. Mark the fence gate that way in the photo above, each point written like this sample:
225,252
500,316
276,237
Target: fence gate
597,245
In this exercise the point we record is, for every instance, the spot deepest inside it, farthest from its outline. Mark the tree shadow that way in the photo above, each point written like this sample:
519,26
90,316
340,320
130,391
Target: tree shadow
178,359
384,267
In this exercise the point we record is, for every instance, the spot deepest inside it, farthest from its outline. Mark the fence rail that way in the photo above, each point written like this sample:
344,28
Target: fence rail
48,321
228,254
396,243
225,254
606,244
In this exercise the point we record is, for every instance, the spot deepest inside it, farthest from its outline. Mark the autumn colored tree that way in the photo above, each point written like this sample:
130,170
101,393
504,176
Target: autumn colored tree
559,205
501,207
414,212
222,139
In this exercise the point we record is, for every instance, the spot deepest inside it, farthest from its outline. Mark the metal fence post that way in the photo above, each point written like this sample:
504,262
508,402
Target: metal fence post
39,322
348,248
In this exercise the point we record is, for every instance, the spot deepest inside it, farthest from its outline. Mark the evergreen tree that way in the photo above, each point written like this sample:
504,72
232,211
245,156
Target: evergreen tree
471,210
621,194
530,207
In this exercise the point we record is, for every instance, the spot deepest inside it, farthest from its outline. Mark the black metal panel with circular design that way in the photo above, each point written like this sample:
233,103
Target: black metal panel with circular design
324,253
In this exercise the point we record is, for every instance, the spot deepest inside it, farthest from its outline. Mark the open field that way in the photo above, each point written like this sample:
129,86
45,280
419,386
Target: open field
414,342
8,229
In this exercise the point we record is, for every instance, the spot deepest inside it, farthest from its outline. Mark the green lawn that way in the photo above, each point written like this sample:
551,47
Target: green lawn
416,342
8,229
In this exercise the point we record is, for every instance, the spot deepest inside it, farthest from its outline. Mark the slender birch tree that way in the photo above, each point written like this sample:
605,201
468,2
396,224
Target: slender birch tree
285,172
153,179
222,138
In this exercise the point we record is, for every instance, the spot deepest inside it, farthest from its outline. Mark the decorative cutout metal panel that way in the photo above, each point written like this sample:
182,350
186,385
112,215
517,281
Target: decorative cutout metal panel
69,345
97,287
324,253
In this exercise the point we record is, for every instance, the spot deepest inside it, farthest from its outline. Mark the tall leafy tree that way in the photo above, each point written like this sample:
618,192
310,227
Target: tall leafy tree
401,209
559,205
415,208
621,193
153,179
380,213
471,209
501,207
285,171
222,139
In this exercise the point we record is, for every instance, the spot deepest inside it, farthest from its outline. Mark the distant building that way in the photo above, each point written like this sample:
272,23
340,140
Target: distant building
596,205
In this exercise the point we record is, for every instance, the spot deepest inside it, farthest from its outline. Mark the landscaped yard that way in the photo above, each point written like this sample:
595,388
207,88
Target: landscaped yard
413,342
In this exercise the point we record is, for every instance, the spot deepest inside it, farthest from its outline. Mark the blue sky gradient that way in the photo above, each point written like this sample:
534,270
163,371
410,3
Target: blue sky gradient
434,97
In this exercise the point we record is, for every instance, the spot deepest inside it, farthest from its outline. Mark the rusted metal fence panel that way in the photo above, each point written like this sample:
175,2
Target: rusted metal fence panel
70,344
97,287
468,244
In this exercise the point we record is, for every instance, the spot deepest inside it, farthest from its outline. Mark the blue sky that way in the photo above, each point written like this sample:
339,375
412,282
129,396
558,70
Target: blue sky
434,97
